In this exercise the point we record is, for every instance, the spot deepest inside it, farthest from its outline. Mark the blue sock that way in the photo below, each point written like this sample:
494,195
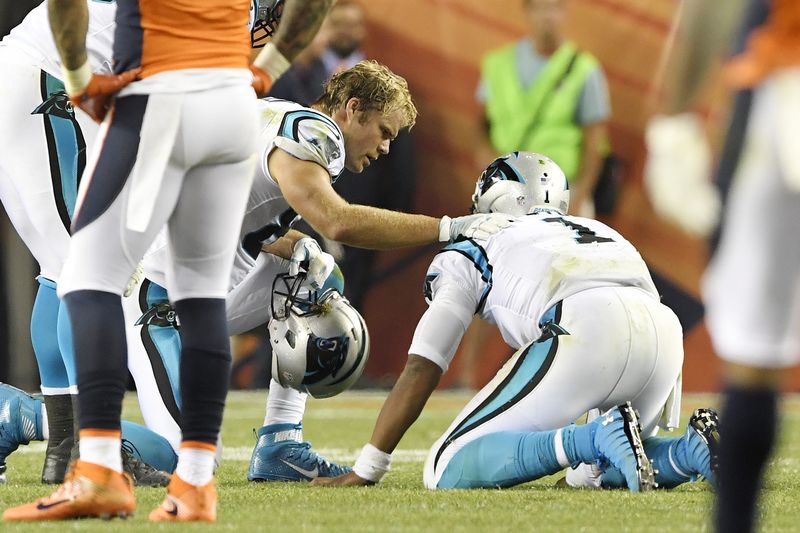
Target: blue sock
66,346
52,372
148,446
669,460
508,458
578,442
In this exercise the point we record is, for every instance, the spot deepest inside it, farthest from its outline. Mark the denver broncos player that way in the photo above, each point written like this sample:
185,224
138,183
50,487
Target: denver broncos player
751,288
39,193
40,177
180,61
578,302
38,188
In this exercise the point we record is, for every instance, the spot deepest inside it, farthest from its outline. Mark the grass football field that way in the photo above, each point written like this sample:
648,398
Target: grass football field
338,427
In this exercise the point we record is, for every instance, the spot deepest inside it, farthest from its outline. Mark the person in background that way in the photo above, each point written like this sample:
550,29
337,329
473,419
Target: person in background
544,94
541,94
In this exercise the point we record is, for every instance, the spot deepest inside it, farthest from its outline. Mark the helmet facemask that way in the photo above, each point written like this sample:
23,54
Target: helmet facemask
319,341
291,296
264,18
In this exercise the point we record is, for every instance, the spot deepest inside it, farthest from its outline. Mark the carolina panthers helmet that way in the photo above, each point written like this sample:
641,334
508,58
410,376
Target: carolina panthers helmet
320,343
519,182
264,18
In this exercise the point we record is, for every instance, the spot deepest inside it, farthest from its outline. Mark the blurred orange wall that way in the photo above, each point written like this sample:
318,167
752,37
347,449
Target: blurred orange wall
437,46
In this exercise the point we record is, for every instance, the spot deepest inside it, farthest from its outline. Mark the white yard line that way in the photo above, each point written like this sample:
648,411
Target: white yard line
242,453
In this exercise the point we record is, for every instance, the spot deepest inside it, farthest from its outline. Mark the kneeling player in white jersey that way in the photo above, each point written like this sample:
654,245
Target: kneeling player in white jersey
577,301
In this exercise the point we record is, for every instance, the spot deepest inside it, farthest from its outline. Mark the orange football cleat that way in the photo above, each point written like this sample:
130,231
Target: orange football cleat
187,503
89,490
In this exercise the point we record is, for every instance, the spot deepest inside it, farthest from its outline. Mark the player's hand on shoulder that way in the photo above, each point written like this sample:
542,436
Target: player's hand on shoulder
351,479
308,256
96,97
480,226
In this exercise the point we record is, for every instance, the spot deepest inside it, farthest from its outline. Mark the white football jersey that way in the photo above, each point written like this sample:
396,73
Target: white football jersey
306,134
34,36
512,279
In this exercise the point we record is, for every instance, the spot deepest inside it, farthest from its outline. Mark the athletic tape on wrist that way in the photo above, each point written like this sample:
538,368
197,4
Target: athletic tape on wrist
271,61
76,80
444,228
372,464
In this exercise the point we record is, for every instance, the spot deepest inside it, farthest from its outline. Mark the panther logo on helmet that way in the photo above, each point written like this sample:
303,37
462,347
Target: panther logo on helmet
518,183
320,343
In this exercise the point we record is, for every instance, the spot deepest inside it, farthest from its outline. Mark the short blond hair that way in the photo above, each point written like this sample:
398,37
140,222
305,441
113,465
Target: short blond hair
376,87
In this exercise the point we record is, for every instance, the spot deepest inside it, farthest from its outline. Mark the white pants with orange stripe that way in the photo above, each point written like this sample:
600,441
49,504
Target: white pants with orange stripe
185,161
752,286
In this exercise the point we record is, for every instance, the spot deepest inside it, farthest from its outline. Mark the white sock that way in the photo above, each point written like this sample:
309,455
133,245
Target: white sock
45,427
103,451
196,465
284,405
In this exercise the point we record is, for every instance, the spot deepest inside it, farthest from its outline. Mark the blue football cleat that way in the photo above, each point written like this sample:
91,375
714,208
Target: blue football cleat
20,422
702,444
281,455
617,440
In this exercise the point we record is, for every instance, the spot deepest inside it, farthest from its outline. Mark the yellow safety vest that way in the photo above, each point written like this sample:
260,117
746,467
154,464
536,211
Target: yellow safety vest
517,120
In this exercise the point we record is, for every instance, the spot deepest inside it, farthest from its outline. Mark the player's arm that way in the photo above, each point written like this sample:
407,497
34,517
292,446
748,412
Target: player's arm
405,402
307,188
69,20
400,410
679,155
299,23
591,160
436,338
699,43
284,246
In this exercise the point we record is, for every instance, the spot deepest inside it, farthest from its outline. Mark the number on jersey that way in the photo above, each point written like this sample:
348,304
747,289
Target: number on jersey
584,234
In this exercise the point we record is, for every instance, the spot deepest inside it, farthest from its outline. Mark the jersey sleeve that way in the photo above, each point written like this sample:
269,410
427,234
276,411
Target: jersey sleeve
312,136
463,264
453,289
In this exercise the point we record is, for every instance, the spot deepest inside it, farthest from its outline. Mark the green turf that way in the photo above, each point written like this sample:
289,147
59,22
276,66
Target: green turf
341,425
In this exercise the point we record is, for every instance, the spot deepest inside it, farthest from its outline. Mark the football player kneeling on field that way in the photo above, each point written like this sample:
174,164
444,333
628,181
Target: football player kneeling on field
575,299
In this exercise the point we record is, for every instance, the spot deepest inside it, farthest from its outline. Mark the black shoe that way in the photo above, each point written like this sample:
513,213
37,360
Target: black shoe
56,462
142,473
704,451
